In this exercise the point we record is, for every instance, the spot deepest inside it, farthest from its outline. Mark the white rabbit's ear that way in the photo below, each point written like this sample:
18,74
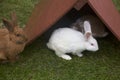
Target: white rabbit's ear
87,35
87,28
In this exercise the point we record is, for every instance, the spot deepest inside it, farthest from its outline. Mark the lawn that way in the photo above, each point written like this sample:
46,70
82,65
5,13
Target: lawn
37,62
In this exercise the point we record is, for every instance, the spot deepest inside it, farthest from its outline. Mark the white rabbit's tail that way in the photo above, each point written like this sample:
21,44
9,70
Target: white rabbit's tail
49,45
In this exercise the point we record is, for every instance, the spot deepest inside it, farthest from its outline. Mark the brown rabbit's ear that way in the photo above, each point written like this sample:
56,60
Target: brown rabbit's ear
8,25
14,19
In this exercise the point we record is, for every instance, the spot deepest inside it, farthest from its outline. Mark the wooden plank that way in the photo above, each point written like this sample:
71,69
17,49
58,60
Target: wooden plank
80,4
107,12
45,14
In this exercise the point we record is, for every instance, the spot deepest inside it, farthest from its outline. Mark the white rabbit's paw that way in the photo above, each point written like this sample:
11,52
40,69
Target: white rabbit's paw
79,55
66,57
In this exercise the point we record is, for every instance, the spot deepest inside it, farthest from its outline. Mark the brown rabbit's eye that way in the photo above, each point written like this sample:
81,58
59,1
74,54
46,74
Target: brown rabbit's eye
18,35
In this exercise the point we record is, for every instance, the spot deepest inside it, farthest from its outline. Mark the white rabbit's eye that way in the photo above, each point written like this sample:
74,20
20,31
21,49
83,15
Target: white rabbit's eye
92,44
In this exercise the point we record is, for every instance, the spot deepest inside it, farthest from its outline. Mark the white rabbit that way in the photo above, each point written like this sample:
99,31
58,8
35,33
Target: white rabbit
67,40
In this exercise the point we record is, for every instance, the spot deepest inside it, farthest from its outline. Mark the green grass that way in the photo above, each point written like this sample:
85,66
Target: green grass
37,62
117,4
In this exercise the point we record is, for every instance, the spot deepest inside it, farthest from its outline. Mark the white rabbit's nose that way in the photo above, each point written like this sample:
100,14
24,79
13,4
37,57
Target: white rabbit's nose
97,49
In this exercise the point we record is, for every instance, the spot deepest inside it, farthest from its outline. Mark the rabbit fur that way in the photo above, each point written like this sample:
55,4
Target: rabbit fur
98,28
12,40
68,40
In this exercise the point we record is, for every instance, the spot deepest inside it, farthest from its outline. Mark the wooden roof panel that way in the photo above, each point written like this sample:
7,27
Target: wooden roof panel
45,14
107,12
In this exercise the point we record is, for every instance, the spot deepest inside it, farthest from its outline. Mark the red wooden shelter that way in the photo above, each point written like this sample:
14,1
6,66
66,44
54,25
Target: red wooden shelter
48,12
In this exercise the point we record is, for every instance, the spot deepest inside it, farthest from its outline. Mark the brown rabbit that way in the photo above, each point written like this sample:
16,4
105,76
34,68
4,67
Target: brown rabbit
98,28
12,40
